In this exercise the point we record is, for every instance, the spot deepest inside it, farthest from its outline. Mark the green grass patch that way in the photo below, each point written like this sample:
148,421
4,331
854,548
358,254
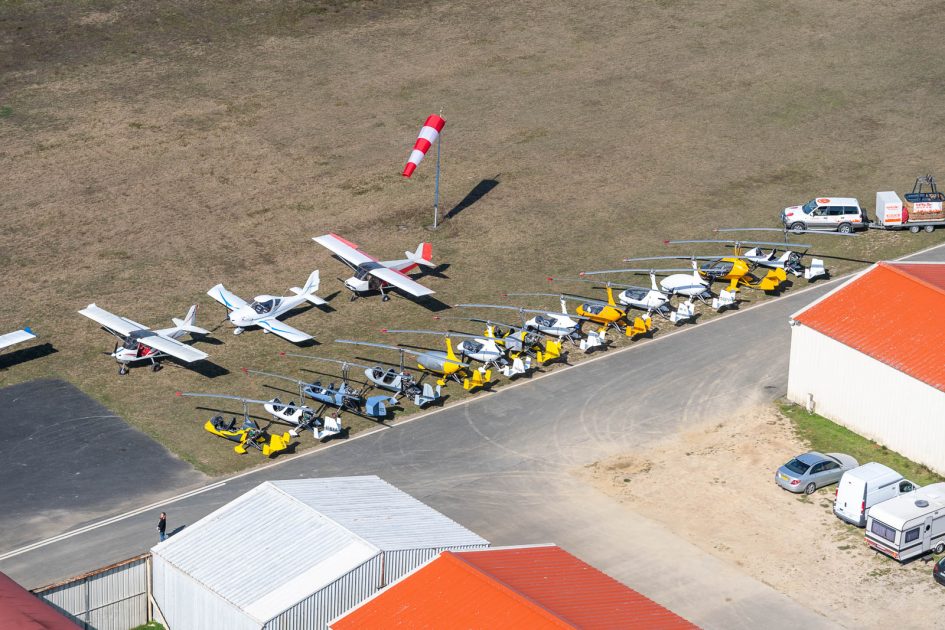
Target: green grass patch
5,111
151,625
824,435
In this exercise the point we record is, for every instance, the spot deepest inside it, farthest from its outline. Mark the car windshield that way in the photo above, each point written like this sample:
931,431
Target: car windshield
797,466
810,205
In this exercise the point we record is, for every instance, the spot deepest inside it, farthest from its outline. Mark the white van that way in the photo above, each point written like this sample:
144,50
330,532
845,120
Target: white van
910,525
863,487
842,214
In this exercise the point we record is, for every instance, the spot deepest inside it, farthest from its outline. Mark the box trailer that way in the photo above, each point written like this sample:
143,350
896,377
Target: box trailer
922,209
909,525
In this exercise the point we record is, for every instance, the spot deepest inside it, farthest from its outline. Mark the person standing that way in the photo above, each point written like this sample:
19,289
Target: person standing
162,527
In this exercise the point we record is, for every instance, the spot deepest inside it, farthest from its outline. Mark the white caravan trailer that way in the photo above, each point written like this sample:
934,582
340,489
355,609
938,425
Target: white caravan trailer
910,525
865,486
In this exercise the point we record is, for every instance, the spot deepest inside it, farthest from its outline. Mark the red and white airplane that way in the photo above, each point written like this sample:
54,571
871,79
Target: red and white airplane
371,274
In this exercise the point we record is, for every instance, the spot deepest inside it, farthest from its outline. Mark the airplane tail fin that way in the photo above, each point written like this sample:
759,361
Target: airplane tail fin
423,255
308,291
188,323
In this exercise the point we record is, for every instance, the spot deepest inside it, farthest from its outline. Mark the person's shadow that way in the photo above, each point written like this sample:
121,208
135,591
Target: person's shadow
176,531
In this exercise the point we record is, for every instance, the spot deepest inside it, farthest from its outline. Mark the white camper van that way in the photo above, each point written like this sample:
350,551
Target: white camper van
863,487
910,525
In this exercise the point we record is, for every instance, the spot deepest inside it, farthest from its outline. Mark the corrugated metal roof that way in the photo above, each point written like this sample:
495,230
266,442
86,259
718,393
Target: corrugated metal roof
894,313
380,513
21,610
265,551
534,587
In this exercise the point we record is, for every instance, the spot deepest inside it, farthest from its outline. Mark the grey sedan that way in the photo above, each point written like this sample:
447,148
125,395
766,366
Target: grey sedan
805,473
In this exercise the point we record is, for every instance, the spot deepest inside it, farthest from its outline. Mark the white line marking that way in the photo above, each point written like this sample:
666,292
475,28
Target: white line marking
109,521
483,396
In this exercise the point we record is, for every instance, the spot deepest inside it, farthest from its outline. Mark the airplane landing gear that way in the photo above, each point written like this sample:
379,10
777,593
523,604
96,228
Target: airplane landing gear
237,330
122,369
155,366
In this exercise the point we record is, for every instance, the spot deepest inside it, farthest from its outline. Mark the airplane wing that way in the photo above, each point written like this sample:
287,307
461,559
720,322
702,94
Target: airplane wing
18,336
285,331
401,281
120,325
227,299
346,250
172,347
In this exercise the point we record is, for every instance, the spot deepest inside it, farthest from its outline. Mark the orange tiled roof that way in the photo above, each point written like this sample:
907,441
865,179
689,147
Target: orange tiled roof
526,587
894,312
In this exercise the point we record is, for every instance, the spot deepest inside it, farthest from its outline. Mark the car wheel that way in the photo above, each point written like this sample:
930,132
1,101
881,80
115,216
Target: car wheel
811,488
939,548
914,229
845,228
929,228
798,227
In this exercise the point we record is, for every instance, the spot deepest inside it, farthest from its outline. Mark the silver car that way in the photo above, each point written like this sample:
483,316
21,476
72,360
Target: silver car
805,473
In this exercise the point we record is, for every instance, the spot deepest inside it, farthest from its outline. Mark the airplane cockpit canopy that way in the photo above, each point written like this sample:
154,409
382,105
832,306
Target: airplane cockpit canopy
541,320
472,347
264,304
718,267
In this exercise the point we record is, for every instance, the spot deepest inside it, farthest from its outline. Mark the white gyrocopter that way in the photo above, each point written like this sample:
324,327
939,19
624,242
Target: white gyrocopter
371,274
481,348
692,286
15,337
136,342
264,311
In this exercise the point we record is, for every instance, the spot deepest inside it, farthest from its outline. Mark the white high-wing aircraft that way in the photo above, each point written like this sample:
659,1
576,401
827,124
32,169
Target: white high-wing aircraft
140,343
15,337
371,274
265,310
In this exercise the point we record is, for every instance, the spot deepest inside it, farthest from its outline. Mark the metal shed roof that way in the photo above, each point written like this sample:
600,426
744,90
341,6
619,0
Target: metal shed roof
380,513
517,587
265,551
892,313
285,540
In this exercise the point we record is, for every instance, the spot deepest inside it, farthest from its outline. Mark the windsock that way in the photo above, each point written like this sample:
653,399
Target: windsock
428,135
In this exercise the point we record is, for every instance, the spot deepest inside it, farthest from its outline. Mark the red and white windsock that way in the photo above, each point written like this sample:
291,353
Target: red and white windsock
428,135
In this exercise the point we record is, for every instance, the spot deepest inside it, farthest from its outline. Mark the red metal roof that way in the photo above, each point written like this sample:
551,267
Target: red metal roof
21,610
894,312
522,587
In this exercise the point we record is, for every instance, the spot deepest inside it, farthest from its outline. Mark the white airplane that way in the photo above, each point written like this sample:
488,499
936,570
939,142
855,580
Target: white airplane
140,343
15,337
372,274
264,311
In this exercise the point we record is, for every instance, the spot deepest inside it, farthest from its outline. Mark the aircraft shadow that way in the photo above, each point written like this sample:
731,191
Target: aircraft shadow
26,354
207,369
480,190
207,339
237,414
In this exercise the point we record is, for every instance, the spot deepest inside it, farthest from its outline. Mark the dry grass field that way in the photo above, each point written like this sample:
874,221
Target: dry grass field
152,149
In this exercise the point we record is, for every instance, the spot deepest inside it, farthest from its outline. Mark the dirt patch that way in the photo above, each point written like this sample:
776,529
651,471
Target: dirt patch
713,486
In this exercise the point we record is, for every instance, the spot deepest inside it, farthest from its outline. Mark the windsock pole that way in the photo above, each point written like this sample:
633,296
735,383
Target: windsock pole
436,185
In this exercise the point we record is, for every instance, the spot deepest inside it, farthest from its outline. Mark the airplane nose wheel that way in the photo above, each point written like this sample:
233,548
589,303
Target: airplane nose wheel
122,369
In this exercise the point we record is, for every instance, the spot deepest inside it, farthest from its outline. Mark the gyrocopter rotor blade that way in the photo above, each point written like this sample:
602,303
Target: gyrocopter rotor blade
413,353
